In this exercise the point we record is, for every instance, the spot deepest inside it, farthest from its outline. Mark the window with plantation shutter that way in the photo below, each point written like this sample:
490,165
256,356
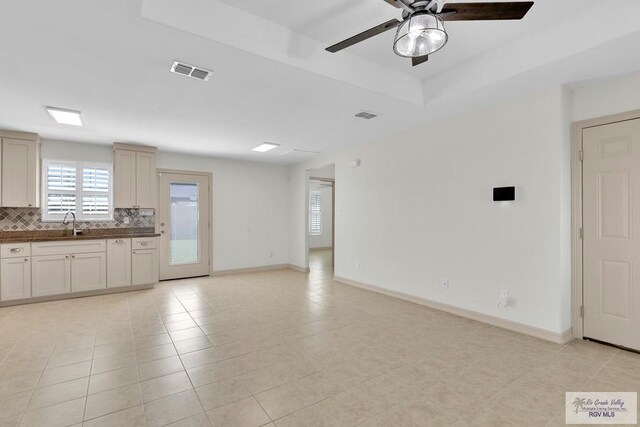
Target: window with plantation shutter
80,187
96,185
315,213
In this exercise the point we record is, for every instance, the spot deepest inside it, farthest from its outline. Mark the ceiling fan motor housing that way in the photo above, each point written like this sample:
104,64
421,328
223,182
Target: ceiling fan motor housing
426,5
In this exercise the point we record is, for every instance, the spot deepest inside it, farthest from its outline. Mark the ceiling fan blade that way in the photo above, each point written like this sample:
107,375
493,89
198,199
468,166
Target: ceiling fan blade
485,11
389,25
419,60
394,3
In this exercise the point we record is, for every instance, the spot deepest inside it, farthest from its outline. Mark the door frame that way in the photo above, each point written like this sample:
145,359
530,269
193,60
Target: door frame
332,181
209,177
576,212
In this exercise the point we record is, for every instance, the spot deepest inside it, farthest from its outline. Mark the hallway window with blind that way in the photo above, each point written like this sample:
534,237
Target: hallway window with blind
83,188
315,213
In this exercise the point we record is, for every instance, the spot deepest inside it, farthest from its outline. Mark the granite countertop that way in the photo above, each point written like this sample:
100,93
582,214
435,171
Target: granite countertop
87,234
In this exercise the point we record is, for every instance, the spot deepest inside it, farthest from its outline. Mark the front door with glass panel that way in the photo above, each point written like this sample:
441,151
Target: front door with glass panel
184,223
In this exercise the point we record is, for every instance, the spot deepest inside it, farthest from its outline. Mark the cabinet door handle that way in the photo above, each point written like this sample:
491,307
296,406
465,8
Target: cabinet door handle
144,243
119,241
73,257
133,252
15,250
26,259
67,256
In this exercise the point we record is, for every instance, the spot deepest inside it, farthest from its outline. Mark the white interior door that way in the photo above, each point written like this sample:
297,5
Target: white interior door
184,224
611,244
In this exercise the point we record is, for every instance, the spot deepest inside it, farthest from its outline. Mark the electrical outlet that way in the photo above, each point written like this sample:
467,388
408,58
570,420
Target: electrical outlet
270,254
503,302
445,283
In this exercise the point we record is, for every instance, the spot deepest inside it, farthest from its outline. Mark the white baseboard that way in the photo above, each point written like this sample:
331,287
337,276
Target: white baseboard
260,268
566,336
325,248
297,268
250,269
558,338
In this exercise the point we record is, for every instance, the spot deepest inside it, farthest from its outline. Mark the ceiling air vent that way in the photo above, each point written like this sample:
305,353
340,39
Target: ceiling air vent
365,115
190,71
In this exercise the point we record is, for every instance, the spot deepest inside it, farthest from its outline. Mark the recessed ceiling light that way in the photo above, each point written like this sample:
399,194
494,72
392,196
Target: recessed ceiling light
65,117
265,147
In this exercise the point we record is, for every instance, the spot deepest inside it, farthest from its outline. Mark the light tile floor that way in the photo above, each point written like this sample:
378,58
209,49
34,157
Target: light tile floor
287,349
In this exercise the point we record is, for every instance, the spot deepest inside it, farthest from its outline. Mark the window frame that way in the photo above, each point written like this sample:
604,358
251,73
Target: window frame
79,191
317,213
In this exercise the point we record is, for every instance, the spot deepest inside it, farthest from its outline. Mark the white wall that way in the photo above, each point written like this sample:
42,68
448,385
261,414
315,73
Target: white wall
325,239
606,97
63,150
419,209
250,202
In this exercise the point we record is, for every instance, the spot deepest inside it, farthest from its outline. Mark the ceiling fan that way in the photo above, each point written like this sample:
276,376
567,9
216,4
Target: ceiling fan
421,31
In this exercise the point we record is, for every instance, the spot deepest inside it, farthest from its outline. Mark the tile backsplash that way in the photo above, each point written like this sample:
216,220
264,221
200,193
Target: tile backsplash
30,219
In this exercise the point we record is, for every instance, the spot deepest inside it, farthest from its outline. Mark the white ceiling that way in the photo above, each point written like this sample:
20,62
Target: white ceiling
272,79
331,21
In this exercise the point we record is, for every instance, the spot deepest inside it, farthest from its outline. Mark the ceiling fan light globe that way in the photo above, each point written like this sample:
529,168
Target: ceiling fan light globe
419,35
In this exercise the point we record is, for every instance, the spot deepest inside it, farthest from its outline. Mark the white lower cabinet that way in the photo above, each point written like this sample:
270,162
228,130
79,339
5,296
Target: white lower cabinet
118,263
16,279
50,275
61,274
144,266
88,271
64,267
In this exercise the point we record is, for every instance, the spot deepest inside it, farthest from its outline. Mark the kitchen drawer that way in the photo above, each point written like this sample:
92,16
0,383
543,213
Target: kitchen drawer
15,250
143,243
68,247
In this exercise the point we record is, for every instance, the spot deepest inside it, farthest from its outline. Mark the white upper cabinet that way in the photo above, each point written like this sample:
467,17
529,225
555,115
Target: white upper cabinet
146,180
134,176
20,169
124,178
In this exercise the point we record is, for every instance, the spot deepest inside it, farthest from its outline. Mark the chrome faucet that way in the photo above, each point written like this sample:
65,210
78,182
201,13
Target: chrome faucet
65,222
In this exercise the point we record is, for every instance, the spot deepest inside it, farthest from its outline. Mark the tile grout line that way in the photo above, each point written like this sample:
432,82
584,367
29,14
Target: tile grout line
86,399
39,378
135,355
183,367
